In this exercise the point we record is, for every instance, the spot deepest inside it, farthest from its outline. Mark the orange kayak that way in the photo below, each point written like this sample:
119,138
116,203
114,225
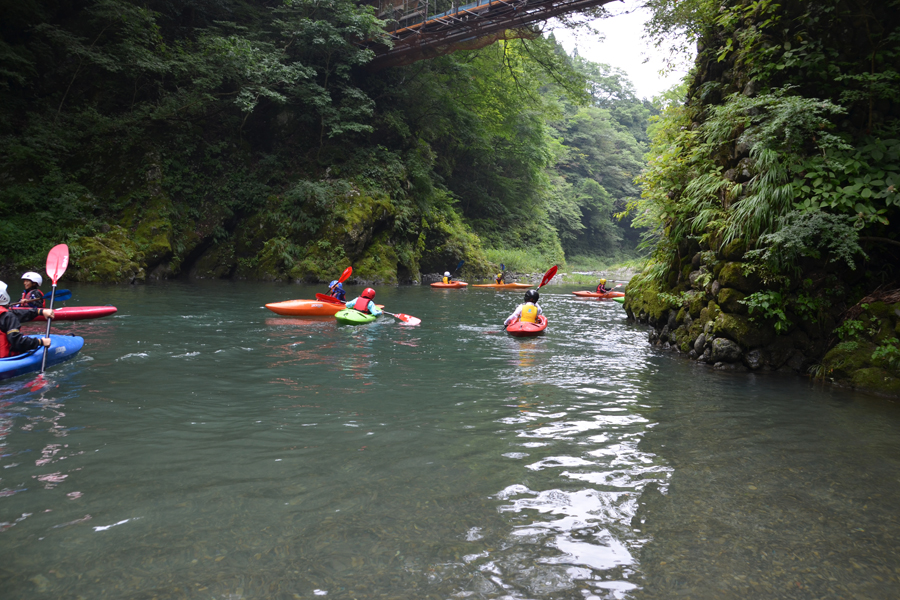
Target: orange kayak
453,284
307,308
519,329
503,286
601,296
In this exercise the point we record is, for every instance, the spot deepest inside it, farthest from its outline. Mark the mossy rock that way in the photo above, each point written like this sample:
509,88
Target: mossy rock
148,218
732,275
645,296
882,310
378,264
110,257
879,381
733,250
712,310
216,263
743,331
846,358
696,302
729,299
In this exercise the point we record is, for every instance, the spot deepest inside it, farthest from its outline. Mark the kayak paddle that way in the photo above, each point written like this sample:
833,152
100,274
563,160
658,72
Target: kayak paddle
61,296
57,261
551,272
347,272
459,266
408,319
330,299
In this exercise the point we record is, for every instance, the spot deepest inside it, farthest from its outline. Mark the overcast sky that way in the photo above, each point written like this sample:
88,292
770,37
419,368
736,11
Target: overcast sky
624,47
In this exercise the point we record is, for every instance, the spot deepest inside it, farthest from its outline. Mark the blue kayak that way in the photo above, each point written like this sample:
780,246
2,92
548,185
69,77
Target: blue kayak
62,348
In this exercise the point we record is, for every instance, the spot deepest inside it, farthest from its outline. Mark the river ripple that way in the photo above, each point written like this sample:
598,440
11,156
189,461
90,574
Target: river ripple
202,447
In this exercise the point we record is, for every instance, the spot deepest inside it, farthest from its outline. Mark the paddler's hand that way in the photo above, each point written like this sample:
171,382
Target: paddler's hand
48,314
45,342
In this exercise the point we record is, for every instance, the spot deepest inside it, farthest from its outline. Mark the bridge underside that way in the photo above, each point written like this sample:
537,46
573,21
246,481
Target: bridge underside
416,35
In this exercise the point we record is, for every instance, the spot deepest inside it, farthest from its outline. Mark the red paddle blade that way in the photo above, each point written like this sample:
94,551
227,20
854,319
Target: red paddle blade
331,299
548,276
57,261
408,319
347,272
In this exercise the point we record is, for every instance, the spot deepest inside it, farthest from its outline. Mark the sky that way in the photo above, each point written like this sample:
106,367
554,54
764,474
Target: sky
624,47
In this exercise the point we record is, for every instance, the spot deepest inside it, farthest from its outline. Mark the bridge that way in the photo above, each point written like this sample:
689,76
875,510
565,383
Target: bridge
423,29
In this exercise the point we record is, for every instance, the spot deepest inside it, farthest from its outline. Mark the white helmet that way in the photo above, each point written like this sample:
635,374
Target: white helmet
446,273
4,297
32,276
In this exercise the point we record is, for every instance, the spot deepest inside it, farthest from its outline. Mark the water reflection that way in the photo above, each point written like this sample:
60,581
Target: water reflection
203,449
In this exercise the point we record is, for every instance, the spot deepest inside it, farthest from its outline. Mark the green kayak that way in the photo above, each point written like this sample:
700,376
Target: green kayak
620,300
350,316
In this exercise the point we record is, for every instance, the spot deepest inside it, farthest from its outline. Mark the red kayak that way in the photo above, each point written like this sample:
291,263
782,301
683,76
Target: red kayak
78,313
606,295
519,329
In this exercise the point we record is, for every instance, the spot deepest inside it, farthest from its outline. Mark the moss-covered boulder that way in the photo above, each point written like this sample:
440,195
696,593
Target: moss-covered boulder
742,330
112,256
842,361
729,300
879,381
733,250
732,276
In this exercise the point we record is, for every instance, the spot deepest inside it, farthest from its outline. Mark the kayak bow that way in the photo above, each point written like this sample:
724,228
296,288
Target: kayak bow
62,348
519,329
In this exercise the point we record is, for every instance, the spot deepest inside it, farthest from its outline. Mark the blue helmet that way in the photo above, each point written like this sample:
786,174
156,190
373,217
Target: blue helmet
333,283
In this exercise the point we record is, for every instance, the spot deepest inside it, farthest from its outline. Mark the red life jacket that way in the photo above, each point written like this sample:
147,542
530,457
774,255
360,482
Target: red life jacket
4,343
27,295
361,304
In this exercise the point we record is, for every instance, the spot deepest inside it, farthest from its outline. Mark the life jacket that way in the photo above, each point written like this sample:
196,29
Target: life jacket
529,313
601,289
4,342
446,280
499,278
31,295
361,304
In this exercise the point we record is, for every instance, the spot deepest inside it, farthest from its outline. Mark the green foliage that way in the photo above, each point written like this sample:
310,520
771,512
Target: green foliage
810,235
888,352
769,305
850,329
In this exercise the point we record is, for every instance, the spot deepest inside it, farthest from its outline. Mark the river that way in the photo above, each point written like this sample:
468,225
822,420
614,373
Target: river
203,447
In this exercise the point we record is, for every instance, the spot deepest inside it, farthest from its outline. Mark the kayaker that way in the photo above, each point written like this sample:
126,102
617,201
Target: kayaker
32,297
336,290
527,312
446,278
364,303
499,278
12,342
601,287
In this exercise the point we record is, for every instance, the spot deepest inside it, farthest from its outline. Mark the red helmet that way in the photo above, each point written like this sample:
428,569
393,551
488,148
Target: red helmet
368,293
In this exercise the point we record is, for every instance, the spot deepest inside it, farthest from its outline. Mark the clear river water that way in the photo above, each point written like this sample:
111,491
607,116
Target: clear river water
202,447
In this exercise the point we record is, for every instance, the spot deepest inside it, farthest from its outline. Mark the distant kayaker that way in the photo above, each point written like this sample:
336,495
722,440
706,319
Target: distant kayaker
528,312
601,287
12,341
446,278
32,297
364,303
499,278
336,290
